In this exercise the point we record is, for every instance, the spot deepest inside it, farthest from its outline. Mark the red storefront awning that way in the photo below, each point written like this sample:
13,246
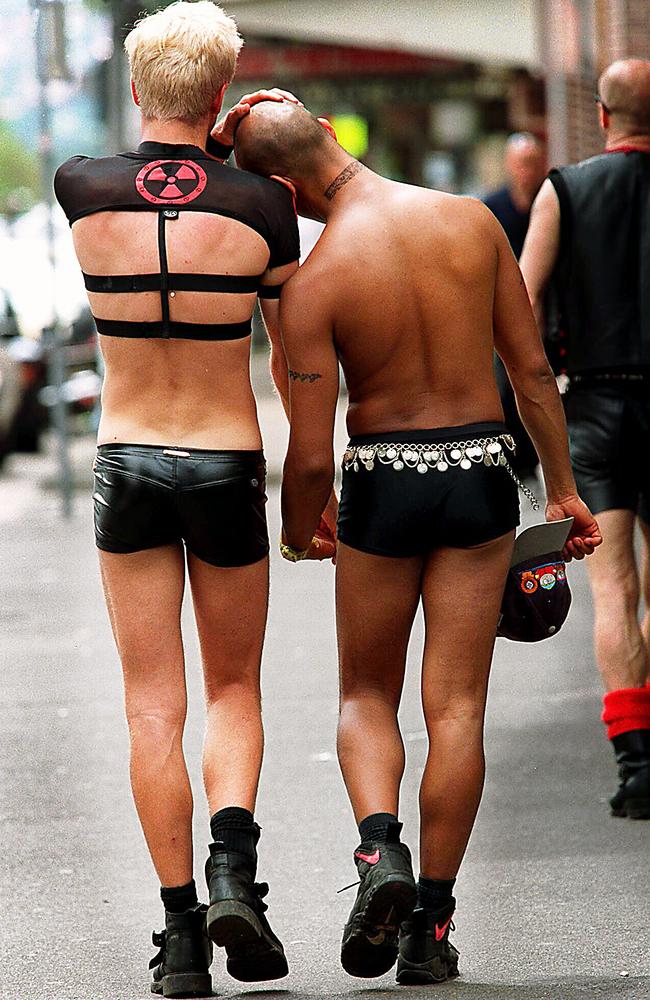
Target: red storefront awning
259,61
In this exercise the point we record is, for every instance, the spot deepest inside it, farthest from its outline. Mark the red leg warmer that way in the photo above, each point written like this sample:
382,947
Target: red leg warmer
626,710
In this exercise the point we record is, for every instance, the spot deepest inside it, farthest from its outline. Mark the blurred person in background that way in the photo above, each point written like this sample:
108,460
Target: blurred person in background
175,248
410,290
589,237
525,168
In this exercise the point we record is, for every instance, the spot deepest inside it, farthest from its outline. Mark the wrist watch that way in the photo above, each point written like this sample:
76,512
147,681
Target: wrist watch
296,555
293,555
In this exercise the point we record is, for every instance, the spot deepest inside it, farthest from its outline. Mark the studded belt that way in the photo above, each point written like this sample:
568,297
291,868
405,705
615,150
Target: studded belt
489,451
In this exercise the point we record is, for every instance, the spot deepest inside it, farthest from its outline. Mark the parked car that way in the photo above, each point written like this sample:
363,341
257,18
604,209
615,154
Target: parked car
27,397
8,320
10,398
31,417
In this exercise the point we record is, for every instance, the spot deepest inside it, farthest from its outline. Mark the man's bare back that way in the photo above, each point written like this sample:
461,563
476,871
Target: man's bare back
187,384
162,391
408,278
412,291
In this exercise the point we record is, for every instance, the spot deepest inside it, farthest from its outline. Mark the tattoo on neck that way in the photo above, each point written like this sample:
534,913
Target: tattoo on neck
304,376
346,175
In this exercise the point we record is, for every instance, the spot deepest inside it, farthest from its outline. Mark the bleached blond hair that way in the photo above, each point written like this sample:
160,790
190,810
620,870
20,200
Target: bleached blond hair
180,57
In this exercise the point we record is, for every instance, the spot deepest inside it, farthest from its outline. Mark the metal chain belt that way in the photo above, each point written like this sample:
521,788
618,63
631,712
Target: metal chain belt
422,457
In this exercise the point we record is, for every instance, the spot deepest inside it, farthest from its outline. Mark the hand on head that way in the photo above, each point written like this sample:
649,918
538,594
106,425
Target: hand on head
224,131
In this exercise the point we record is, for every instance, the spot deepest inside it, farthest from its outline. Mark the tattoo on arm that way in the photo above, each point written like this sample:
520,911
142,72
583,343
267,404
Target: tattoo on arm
304,376
346,175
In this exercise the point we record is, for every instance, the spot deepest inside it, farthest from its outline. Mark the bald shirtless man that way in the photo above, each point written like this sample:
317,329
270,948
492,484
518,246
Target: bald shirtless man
410,290
590,237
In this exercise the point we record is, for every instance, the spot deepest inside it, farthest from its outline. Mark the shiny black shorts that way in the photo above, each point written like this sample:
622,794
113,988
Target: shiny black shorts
213,501
609,435
402,513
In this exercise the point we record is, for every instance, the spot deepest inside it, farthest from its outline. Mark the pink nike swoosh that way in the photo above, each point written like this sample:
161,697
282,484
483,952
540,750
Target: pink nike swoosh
371,859
440,931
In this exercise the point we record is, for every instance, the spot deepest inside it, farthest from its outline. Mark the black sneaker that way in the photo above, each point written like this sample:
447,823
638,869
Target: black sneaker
386,897
236,918
426,955
633,757
182,966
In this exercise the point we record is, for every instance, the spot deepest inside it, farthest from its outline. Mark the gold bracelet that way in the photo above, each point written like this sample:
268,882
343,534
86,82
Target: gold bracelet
293,555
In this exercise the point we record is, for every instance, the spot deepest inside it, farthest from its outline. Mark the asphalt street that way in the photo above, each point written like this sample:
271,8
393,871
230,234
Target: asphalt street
552,898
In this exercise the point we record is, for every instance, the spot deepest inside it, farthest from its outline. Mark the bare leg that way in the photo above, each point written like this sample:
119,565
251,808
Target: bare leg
461,593
621,652
144,591
376,601
230,605
645,589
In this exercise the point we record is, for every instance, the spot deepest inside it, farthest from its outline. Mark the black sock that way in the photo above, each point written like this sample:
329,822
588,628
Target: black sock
435,894
179,898
236,829
380,827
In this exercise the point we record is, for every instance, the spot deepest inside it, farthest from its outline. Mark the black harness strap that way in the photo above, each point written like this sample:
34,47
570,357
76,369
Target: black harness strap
121,282
176,281
163,215
270,291
174,330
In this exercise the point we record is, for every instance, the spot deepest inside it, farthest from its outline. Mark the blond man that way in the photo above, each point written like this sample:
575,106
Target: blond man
175,248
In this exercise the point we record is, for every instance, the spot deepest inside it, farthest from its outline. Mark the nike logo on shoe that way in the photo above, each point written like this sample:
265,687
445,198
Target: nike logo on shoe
440,931
370,859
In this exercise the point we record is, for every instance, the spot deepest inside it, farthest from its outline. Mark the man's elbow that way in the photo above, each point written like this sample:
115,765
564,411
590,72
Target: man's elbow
311,469
532,377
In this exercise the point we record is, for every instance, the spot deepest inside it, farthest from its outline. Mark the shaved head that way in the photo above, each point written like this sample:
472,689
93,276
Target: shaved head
282,139
624,89
525,164
524,140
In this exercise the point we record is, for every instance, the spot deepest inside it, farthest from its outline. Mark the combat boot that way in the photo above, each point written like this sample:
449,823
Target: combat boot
386,896
633,757
236,917
182,966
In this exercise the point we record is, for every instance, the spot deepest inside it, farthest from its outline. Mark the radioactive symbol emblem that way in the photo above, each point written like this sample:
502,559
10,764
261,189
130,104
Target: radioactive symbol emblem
171,182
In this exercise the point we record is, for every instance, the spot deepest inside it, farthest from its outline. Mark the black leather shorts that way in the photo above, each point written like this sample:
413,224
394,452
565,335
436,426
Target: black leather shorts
416,504
213,501
609,434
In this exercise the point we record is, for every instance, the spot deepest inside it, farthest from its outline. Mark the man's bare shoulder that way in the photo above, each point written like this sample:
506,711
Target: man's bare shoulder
312,282
470,210
462,210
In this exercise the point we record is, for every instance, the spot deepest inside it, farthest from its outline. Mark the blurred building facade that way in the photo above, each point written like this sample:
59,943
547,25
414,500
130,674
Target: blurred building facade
495,66
423,93
580,38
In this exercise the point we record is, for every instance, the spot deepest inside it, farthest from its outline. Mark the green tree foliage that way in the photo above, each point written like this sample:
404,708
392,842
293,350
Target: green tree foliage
125,10
19,173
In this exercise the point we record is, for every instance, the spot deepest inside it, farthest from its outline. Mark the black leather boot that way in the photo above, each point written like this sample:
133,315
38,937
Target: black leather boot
236,916
182,966
633,758
386,896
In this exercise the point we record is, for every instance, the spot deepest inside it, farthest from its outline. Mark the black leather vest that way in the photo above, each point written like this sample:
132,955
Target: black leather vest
602,274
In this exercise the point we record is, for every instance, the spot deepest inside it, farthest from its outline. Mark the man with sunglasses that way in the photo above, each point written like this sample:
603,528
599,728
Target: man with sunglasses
590,236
